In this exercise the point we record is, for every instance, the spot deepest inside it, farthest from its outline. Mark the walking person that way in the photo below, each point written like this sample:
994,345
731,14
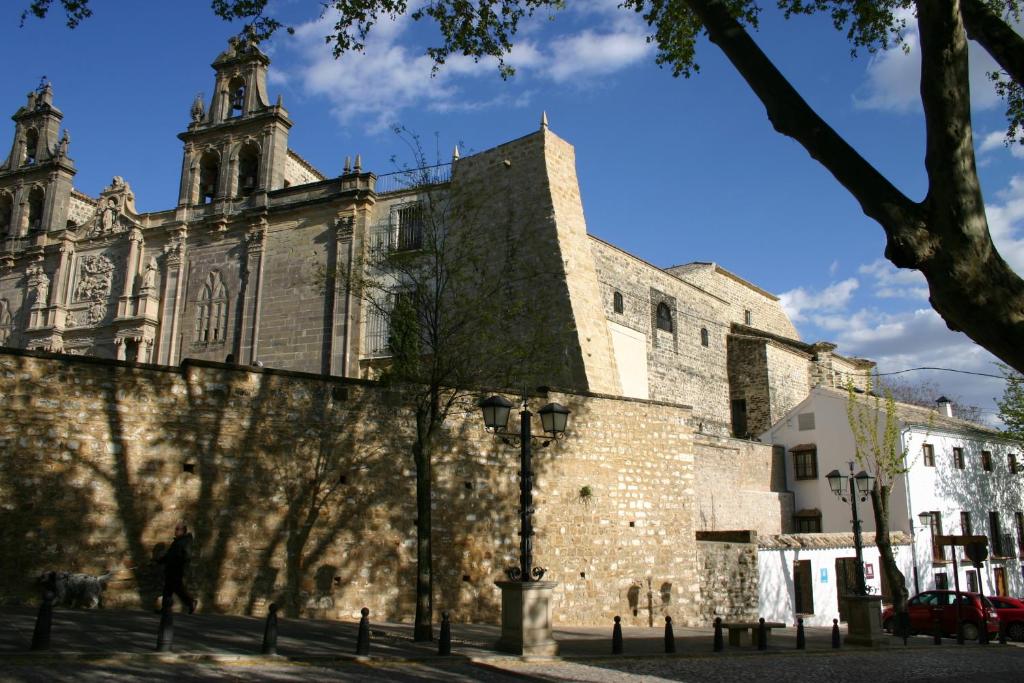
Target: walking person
175,561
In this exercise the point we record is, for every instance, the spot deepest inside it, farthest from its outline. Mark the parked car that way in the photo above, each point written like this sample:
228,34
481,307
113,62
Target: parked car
1011,615
924,607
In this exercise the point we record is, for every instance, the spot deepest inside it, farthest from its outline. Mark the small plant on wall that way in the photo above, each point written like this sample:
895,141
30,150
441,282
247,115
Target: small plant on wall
586,495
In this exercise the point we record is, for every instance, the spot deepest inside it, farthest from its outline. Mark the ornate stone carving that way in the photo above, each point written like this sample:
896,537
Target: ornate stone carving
38,285
95,283
6,322
198,109
149,276
114,211
256,237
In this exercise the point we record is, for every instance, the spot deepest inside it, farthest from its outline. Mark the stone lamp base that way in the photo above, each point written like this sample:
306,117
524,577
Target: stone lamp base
526,618
864,621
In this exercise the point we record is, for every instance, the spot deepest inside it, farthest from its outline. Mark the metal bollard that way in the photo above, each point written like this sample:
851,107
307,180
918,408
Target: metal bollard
44,622
363,639
937,630
617,637
801,637
444,645
1002,632
904,622
165,637
670,637
719,644
762,635
270,631
835,634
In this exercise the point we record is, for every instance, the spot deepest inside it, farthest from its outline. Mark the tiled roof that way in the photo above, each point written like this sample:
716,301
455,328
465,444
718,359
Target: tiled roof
823,541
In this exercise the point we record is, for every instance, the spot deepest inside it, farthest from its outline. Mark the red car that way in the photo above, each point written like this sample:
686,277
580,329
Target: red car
924,607
1011,614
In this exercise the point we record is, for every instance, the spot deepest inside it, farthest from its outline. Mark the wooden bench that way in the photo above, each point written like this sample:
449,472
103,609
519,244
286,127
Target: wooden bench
738,628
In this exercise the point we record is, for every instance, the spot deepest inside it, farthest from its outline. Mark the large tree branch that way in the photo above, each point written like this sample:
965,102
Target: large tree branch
971,286
990,31
792,116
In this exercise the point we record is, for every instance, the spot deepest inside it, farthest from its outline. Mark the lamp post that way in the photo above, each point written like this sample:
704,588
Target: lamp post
859,485
525,598
554,418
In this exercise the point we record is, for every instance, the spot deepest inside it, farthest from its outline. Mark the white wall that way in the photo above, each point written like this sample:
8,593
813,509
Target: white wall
776,592
630,349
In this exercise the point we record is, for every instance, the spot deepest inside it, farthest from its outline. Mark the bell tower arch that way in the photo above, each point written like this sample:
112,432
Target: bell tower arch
236,148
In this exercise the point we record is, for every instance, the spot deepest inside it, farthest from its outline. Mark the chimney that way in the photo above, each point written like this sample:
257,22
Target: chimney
945,406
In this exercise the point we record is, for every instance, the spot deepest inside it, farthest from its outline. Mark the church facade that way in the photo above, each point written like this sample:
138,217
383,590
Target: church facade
226,274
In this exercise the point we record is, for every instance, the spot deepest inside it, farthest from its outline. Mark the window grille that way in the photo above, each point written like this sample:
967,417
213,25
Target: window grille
212,311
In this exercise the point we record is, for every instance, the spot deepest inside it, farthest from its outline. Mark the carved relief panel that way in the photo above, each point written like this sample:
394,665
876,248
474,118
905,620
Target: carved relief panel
96,280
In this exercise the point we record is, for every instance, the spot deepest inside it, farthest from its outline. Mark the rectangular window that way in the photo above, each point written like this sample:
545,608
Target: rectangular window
803,584
408,227
805,462
1011,462
935,522
747,318
1019,518
805,422
958,457
995,535
972,581
941,581
965,523
928,452
807,523
739,418
986,461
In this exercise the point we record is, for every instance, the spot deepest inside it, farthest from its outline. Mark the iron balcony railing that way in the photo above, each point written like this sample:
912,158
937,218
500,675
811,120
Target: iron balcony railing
413,178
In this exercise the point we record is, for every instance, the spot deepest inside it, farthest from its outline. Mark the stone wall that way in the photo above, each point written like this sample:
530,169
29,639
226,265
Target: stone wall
737,482
680,368
98,459
728,580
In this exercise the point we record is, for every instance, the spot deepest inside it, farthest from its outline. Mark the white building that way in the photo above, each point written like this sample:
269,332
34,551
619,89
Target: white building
961,478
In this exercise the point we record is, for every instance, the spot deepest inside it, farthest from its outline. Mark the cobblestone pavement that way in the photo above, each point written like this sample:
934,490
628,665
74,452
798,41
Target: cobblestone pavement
915,664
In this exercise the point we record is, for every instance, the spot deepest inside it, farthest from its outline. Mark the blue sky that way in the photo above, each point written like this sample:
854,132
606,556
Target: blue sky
672,170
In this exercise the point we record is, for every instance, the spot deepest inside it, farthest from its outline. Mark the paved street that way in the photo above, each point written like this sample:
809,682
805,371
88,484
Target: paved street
117,645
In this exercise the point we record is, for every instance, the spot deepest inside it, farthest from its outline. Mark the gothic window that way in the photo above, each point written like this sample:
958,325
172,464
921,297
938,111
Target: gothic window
248,168
31,143
209,176
617,302
704,340
35,209
236,91
6,322
6,213
664,317
212,311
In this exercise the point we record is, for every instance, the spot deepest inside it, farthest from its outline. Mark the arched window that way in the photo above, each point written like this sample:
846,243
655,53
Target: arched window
236,91
248,168
6,213
212,310
31,143
35,209
664,317
209,176
703,336
617,302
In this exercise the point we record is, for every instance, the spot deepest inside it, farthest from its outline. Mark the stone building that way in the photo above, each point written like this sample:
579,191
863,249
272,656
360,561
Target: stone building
229,272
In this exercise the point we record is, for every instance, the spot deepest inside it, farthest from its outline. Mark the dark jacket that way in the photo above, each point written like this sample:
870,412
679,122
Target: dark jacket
177,556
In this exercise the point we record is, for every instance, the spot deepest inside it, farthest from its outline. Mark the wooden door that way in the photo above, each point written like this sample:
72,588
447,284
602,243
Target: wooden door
1000,576
846,582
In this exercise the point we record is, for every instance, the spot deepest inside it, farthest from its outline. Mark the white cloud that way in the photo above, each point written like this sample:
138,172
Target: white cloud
796,302
893,77
915,339
393,74
1006,223
997,140
891,282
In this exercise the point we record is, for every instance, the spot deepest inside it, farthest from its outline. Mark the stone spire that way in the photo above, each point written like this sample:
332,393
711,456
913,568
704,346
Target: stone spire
543,120
455,153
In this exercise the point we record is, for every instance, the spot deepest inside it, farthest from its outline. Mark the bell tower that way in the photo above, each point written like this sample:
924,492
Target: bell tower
35,179
235,149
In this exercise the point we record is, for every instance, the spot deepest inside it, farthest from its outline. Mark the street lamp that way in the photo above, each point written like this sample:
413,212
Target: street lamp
554,419
858,485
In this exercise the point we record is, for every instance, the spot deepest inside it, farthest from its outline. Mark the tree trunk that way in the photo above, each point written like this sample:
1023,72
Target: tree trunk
423,629
897,582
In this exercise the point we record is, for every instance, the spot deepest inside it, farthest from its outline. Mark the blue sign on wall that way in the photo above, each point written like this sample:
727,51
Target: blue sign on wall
824,574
